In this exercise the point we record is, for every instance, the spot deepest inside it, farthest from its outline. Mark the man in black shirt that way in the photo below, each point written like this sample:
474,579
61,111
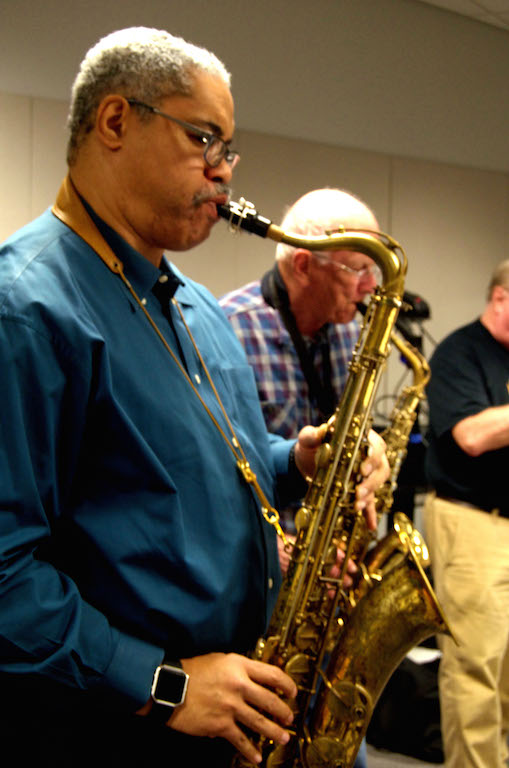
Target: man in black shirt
467,528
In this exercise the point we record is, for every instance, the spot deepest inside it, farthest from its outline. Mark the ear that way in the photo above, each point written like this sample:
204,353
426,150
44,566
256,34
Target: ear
301,264
111,121
498,295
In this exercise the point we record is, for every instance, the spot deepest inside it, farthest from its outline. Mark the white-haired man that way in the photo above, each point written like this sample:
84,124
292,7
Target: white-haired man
133,553
297,324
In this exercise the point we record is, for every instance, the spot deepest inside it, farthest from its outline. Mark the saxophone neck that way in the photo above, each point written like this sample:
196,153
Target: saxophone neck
383,249
416,361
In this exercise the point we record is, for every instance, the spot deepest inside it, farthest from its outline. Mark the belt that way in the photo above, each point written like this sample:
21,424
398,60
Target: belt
501,511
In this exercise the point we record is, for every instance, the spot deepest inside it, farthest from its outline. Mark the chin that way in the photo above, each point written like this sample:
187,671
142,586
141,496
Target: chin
191,238
345,317
202,225
204,230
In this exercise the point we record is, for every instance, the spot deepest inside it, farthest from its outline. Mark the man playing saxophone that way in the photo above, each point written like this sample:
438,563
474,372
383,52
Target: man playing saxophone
137,567
297,324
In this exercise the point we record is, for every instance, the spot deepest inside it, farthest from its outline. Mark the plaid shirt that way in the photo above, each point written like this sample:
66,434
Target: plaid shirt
282,387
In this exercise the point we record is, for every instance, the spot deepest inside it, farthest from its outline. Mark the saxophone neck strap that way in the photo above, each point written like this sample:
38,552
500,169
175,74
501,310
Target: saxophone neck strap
275,294
70,210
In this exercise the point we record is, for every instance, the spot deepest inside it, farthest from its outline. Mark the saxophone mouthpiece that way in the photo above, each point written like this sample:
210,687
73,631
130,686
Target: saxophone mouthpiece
243,215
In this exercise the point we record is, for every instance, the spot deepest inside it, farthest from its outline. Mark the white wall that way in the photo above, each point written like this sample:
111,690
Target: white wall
32,157
452,221
399,101
393,76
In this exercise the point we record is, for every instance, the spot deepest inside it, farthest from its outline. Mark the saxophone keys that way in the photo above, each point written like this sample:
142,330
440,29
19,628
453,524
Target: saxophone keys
331,556
302,519
323,455
324,751
348,701
307,636
299,668
283,755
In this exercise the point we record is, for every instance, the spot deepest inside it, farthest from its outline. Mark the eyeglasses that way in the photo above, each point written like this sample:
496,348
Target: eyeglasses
215,149
361,274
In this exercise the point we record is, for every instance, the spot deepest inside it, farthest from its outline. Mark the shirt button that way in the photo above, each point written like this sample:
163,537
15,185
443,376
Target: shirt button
143,301
271,582
163,279
197,377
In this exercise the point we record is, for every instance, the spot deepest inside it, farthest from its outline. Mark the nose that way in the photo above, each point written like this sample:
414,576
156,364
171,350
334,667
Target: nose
367,285
221,173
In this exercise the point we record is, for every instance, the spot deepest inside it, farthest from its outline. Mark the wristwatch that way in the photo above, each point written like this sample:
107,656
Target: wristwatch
169,686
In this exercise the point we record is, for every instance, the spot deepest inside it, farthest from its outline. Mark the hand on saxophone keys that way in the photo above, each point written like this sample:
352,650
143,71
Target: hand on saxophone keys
229,692
374,469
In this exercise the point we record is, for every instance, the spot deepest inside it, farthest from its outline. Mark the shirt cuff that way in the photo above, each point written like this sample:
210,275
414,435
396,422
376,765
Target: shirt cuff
280,454
291,486
131,670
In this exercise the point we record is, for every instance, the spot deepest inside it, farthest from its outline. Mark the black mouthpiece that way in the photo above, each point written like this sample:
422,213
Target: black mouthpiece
414,309
244,217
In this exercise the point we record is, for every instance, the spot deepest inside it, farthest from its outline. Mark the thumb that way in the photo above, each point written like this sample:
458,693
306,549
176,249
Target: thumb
311,437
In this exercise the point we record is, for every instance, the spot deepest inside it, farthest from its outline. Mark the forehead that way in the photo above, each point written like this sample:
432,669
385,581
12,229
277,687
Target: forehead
210,103
360,218
355,259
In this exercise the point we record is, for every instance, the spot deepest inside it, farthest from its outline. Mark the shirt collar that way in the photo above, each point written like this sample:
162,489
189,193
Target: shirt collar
142,273
275,294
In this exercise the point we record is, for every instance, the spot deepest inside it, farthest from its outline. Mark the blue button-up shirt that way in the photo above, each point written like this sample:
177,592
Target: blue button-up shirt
125,526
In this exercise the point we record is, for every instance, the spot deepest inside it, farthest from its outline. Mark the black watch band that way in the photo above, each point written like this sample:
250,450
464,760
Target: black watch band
169,688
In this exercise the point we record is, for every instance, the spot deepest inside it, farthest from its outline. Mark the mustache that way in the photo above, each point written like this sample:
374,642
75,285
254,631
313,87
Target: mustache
208,194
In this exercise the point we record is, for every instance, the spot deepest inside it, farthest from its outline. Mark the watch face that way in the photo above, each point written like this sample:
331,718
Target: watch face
169,686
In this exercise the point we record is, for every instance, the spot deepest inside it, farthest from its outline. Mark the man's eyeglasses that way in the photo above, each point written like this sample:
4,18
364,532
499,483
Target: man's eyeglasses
361,274
215,149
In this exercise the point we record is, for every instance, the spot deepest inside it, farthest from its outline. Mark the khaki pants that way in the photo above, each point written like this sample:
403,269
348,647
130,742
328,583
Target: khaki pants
470,563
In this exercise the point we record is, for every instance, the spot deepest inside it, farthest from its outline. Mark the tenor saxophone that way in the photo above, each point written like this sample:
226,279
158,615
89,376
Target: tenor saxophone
341,644
403,415
402,419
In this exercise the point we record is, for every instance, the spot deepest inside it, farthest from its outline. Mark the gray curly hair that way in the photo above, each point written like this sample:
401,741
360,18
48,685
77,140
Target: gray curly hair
138,62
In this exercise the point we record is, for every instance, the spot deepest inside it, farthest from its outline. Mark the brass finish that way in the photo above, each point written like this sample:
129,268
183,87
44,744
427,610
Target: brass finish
341,644
402,418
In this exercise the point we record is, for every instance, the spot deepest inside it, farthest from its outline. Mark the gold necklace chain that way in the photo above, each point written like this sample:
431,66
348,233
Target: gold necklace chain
70,210
270,514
